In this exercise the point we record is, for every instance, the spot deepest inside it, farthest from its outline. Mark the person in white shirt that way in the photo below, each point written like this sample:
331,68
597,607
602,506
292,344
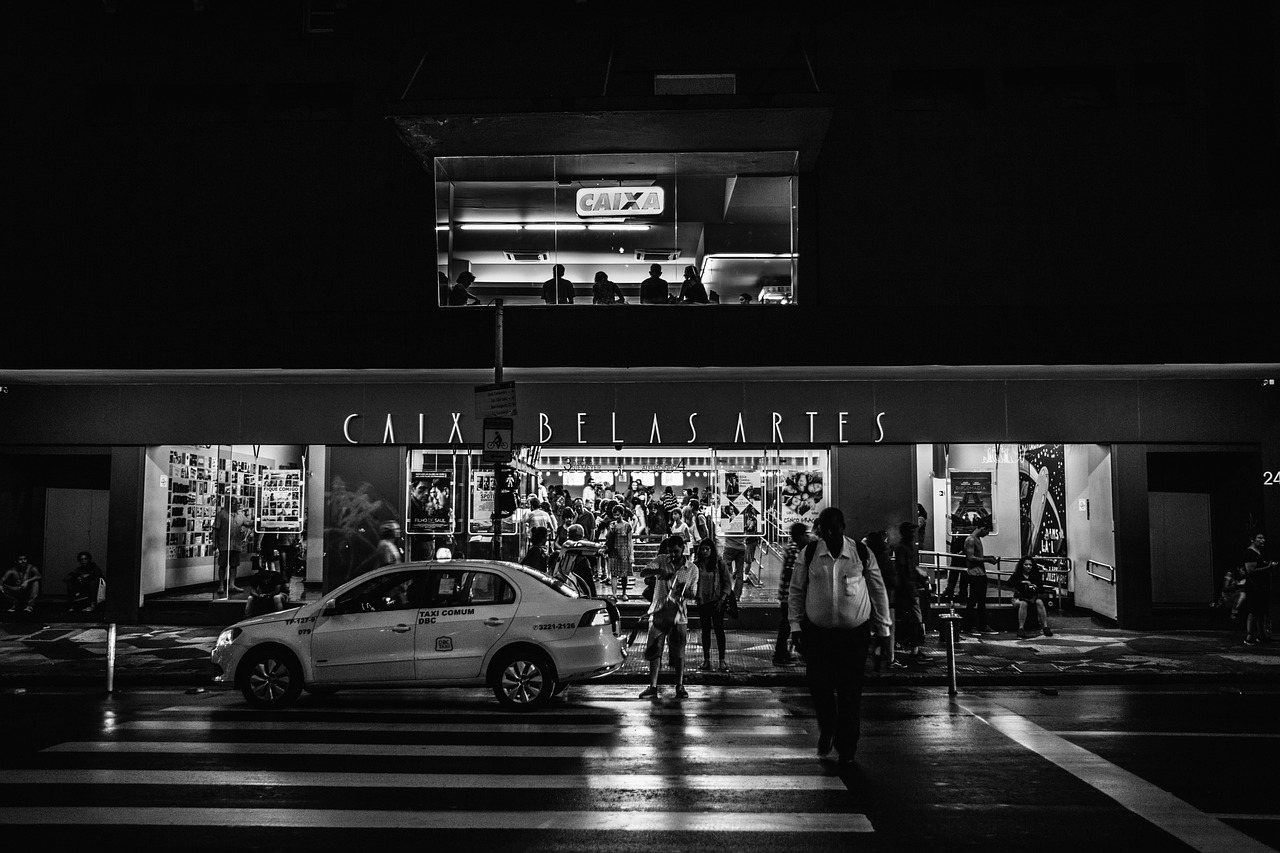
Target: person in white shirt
836,601
676,581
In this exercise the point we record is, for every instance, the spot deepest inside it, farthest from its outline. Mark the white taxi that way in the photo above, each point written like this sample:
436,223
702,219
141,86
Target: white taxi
433,624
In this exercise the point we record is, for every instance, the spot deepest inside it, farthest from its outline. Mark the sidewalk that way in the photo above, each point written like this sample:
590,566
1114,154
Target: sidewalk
1080,652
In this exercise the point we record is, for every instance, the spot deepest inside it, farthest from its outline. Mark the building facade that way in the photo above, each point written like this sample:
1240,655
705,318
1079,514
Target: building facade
1023,254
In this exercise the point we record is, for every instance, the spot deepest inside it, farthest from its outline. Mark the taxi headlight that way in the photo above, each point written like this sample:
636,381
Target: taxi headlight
594,618
227,637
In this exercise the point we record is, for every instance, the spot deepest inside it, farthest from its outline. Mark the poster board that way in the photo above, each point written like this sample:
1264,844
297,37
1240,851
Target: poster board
1042,487
740,502
972,501
280,501
482,495
802,496
430,502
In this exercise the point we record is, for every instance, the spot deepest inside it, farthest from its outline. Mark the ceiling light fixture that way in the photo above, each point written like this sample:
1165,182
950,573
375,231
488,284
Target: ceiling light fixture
617,227
490,226
554,226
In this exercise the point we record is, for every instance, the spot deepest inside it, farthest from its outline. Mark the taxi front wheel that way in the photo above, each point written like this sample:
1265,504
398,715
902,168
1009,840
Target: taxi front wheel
270,678
524,681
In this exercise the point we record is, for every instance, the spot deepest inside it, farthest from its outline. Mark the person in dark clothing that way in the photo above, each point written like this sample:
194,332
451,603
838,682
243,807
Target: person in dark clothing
692,291
460,293
82,583
267,592
1257,598
605,292
975,608
654,289
911,594
1027,583
957,580
539,554
877,543
799,537
557,290
715,584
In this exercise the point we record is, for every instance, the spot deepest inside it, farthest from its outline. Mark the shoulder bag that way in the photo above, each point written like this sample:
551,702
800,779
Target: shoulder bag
664,618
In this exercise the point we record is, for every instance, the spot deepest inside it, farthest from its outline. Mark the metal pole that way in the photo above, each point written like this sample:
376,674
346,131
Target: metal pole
949,620
111,657
497,466
497,341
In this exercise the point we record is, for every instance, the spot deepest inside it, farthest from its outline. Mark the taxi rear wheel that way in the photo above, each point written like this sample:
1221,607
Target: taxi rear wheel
524,681
270,678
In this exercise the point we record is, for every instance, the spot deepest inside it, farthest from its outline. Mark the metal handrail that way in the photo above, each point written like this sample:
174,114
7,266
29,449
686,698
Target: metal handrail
1088,570
1056,571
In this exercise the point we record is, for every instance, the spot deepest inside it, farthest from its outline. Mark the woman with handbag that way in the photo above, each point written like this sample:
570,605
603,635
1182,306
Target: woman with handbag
675,582
715,586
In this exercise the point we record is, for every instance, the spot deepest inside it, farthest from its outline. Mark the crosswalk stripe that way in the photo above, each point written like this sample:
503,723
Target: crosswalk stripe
326,818
587,753
1107,733
1192,827
631,730
434,781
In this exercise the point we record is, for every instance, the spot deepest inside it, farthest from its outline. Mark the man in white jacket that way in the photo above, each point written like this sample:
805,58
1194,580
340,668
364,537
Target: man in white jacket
836,602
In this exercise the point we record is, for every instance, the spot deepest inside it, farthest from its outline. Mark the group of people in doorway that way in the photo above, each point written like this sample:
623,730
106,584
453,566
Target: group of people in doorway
559,290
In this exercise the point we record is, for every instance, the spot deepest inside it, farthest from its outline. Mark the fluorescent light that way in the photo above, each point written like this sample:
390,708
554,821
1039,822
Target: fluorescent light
554,226
617,227
490,226
442,227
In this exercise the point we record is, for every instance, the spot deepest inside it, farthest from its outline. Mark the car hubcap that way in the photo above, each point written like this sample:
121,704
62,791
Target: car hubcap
522,681
270,680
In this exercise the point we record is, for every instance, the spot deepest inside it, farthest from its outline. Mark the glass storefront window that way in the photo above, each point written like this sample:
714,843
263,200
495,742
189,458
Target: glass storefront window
1049,501
504,224
213,513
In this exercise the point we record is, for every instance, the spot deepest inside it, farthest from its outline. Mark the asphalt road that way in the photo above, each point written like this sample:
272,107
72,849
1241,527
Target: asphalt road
998,769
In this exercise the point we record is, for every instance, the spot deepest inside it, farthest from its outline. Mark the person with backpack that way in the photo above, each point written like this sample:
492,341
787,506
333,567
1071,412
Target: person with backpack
836,602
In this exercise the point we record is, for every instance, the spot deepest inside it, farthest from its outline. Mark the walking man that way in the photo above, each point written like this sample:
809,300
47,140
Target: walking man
837,601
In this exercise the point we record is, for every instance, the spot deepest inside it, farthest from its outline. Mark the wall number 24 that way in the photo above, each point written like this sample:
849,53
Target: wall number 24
1271,478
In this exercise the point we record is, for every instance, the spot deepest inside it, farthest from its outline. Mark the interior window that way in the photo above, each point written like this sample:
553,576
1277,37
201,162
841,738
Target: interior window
486,588
455,589
395,591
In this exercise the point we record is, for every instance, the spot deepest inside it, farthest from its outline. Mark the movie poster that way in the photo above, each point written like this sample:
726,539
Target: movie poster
803,497
1042,487
430,502
482,495
972,501
741,502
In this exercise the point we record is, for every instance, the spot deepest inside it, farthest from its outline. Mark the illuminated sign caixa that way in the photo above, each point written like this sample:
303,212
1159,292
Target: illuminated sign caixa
629,201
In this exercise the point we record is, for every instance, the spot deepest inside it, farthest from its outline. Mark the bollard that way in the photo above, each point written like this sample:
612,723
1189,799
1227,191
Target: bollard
111,657
949,620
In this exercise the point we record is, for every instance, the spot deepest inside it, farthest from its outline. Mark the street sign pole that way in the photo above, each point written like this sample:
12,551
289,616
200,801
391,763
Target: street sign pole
498,477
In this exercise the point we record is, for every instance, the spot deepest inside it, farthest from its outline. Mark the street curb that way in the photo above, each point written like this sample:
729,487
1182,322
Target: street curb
10,682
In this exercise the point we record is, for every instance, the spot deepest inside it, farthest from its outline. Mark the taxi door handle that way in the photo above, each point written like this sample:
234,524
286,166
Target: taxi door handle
401,628
493,621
